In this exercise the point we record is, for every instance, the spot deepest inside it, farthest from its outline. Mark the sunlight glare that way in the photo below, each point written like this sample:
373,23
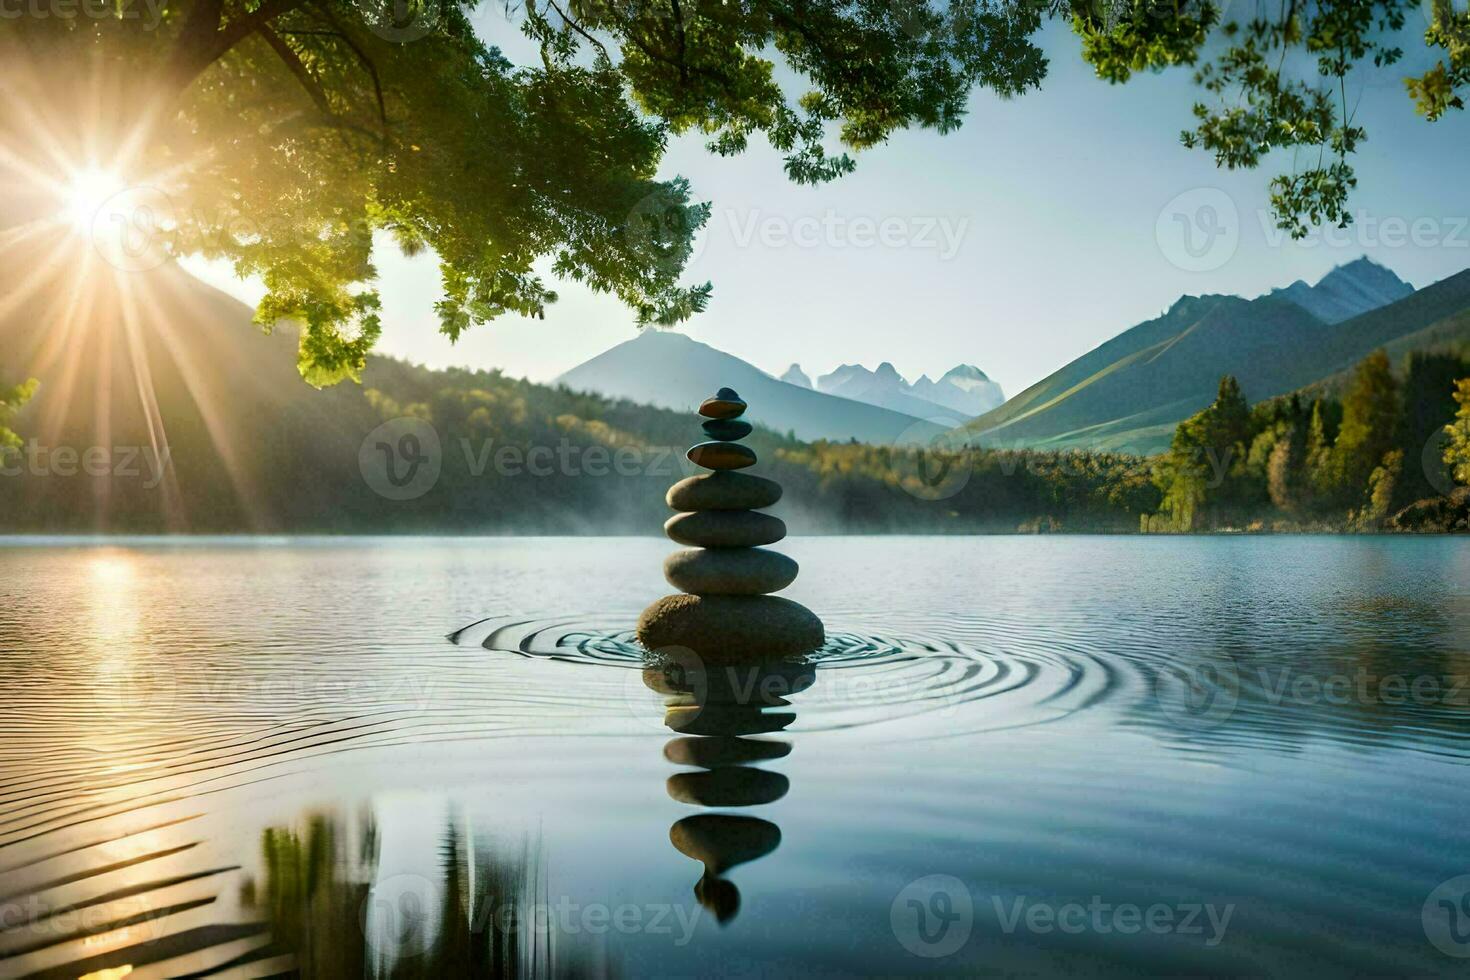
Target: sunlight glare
87,192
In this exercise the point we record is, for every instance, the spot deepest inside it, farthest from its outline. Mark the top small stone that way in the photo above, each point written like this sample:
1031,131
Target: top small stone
725,405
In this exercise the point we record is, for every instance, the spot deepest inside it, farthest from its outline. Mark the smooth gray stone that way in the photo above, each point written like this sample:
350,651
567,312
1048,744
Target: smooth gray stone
723,490
725,529
727,430
735,571
731,628
721,455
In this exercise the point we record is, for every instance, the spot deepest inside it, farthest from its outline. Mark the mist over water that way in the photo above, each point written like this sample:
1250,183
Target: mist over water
1201,756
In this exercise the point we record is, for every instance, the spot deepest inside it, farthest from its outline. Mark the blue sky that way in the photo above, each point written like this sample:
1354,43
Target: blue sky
1044,226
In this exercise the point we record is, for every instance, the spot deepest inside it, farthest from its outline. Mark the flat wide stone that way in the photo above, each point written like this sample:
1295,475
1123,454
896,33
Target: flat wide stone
731,628
723,490
721,455
728,430
725,529
729,786
713,753
722,408
735,571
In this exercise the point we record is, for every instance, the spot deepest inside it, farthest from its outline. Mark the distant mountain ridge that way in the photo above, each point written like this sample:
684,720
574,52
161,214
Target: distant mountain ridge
964,390
1129,393
670,370
796,376
1347,291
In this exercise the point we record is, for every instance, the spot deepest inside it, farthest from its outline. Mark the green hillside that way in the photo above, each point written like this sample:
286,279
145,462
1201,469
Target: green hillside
162,408
1130,393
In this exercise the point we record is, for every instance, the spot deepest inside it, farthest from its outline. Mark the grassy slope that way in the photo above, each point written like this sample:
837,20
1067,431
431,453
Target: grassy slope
1129,393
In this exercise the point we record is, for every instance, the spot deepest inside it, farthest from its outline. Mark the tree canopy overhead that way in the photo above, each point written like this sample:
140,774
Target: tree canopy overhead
283,135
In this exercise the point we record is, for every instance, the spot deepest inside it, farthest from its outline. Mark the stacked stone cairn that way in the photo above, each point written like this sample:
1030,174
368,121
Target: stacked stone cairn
724,611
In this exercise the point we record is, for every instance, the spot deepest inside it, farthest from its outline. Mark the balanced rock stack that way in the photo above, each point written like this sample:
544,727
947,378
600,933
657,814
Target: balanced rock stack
725,611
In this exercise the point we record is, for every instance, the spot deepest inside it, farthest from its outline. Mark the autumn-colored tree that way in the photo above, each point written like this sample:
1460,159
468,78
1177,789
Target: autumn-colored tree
1371,415
11,400
1457,451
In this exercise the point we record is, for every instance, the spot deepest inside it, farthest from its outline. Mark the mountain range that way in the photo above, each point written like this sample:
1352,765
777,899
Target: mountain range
670,370
963,390
1129,393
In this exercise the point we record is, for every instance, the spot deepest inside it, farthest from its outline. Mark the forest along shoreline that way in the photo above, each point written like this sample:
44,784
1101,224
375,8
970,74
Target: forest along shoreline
1387,450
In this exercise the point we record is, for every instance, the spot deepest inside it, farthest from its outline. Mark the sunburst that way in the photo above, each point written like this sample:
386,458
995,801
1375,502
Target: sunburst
90,312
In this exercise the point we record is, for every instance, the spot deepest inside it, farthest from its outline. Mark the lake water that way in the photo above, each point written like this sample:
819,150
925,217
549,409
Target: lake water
1030,756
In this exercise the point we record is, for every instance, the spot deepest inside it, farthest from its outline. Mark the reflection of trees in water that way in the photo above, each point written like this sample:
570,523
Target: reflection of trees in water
716,709
485,915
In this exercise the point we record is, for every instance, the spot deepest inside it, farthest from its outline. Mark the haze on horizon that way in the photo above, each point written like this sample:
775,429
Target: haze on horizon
1028,237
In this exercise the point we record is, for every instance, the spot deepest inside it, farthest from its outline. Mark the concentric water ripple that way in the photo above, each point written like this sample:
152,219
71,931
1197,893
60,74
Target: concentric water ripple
863,678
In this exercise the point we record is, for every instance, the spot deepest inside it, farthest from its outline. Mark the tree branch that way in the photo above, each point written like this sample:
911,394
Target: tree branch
366,62
203,40
579,29
299,70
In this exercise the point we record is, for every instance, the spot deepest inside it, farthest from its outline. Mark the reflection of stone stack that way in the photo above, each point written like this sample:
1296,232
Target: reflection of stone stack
725,611
717,710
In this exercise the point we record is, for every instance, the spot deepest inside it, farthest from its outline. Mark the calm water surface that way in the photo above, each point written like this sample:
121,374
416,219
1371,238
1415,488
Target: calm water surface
1017,755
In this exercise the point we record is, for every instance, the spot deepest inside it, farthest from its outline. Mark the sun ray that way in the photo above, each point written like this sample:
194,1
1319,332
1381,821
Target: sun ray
148,397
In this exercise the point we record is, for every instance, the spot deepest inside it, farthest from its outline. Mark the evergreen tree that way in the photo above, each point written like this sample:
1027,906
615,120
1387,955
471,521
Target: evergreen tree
1207,450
